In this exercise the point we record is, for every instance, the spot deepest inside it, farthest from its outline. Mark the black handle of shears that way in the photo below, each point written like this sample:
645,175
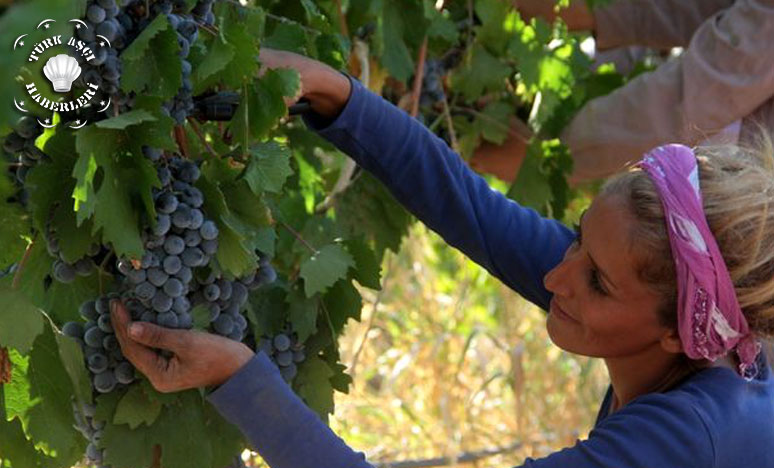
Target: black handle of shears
301,107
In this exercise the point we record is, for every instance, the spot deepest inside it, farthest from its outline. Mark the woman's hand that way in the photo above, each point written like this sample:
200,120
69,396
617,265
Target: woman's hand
326,89
199,359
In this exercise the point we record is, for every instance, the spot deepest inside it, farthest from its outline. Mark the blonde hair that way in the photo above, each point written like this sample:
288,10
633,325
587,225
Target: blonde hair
737,185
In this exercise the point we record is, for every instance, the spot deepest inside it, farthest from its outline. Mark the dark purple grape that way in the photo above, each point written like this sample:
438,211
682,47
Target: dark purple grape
104,382
281,342
174,245
223,325
124,373
172,264
157,277
161,302
95,14
73,330
173,288
208,231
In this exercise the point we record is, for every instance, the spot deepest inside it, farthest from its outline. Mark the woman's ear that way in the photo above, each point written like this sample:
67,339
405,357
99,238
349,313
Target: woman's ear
670,341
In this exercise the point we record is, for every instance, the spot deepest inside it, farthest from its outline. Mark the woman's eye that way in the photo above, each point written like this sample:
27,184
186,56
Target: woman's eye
595,283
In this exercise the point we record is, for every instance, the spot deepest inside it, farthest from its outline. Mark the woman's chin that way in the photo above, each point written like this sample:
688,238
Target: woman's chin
557,330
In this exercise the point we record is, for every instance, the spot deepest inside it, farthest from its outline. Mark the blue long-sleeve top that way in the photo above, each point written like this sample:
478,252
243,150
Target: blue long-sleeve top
714,419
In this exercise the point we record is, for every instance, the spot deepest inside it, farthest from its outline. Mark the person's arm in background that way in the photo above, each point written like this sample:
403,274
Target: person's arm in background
652,23
726,72
657,24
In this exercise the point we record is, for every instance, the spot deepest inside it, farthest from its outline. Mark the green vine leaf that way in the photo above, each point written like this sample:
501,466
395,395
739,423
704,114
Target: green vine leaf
137,407
326,266
151,64
27,320
269,167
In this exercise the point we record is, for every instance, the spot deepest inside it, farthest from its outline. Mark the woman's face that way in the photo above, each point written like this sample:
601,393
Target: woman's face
600,307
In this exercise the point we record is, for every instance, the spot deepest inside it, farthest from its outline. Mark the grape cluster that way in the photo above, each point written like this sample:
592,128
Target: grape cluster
225,300
172,277
432,83
91,429
107,365
285,351
121,22
22,154
180,240
63,271
187,31
104,70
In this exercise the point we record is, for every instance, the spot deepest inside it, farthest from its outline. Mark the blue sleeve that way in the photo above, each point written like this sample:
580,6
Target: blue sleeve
513,243
277,423
658,430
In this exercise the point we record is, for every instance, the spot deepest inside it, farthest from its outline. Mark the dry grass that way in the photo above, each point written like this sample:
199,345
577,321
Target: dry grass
448,360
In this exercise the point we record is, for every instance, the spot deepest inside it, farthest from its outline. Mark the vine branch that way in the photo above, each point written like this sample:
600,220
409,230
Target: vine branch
419,75
298,236
199,134
23,262
5,366
466,457
342,19
181,141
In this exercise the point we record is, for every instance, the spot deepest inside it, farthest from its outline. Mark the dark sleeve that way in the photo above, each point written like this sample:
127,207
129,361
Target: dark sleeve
284,431
657,430
513,243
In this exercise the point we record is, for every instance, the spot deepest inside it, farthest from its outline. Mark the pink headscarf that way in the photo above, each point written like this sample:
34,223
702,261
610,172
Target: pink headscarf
710,320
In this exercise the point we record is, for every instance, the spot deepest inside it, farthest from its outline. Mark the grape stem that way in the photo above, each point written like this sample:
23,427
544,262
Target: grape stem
374,310
449,123
342,19
198,133
418,76
298,236
286,21
5,367
181,142
17,276
101,270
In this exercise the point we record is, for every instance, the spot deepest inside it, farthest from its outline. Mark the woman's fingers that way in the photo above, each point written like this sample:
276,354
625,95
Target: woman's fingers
145,359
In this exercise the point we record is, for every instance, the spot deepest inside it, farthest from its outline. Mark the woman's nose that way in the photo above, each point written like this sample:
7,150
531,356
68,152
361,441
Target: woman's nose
558,280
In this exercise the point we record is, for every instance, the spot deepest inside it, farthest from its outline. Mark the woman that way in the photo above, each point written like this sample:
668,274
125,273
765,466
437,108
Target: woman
628,287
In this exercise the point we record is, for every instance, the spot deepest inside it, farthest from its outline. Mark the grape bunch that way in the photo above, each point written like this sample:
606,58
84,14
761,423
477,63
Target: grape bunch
203,13
180,240
104,70
173,276
91,429
285,351
225,300
187,31
22,154
104,359
61,270
121,22
432,83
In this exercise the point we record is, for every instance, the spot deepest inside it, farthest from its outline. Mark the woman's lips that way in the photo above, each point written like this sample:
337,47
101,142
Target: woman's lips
560,313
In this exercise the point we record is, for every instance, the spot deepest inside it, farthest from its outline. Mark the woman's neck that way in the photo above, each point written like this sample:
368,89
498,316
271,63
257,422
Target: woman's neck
651,371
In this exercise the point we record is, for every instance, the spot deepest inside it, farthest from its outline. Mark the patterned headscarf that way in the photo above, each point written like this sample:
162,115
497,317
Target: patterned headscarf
710,320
